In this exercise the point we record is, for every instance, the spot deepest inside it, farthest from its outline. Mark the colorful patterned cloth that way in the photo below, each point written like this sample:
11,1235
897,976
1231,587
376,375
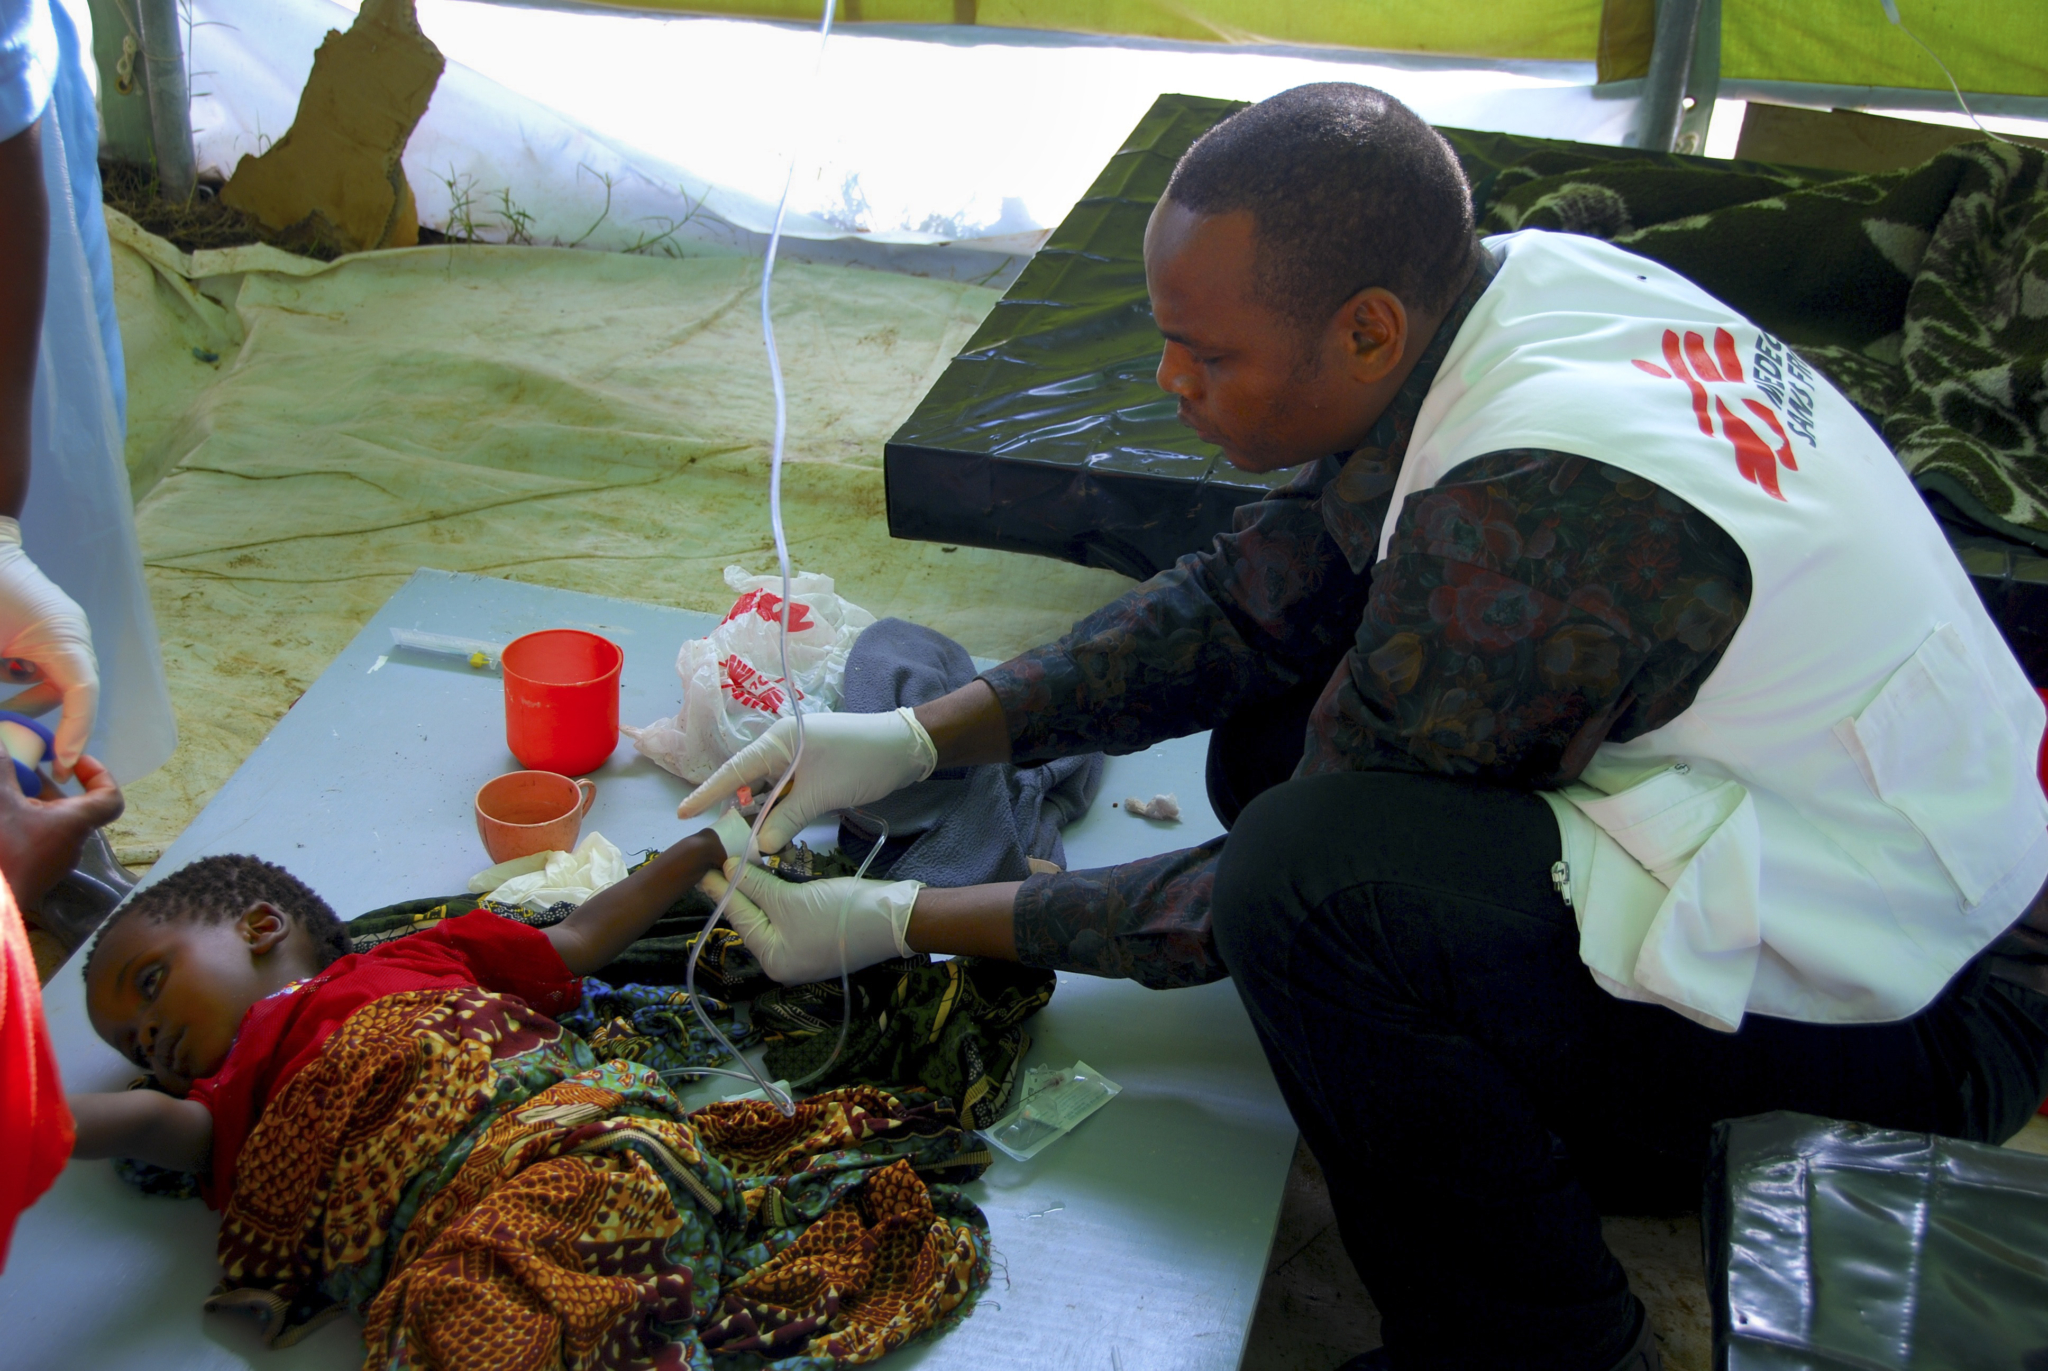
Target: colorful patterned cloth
485,1193
652,1025
1532,605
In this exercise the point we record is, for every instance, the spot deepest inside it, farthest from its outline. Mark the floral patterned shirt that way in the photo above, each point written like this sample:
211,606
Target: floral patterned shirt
1532,605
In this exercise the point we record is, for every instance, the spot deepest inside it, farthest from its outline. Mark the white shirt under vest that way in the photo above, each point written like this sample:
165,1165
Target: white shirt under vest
1848,810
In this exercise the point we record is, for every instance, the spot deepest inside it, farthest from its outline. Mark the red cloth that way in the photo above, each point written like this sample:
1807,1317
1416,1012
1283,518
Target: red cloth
284,1031
35,1123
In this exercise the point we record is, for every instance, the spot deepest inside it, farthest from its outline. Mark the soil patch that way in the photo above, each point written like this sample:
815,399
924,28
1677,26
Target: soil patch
202,223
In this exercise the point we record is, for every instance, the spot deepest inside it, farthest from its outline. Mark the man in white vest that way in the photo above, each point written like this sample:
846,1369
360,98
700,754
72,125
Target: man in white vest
1610,742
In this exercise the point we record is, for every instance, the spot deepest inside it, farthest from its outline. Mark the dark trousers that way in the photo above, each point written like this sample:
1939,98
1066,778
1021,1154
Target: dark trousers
1476,1100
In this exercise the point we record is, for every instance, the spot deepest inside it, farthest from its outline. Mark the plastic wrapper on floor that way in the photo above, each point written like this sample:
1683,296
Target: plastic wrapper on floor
1841,1247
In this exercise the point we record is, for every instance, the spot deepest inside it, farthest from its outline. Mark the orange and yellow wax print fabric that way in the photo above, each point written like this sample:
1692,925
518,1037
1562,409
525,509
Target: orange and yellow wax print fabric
483,1192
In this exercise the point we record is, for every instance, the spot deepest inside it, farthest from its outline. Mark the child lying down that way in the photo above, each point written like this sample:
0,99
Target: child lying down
407,1133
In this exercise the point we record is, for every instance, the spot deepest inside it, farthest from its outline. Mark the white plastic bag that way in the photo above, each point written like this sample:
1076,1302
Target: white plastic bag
732,686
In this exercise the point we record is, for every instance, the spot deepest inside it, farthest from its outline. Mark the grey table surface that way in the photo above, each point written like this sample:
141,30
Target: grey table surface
1138,1241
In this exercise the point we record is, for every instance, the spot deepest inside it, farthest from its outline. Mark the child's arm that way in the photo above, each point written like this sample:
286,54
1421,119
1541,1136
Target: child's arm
605,924
146,1125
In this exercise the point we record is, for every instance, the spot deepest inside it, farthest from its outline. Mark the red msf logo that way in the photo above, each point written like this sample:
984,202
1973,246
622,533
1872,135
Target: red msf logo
768,605
1690,362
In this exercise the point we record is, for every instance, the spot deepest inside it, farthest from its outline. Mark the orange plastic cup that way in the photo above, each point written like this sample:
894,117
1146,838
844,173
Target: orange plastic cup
524,812
562,700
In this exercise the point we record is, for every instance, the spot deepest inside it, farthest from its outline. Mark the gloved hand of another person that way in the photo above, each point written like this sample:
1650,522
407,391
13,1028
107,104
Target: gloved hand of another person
40,839
849,759
792,927
41,624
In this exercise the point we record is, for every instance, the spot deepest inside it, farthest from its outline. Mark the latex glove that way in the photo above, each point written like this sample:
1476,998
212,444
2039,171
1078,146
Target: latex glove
849,759
41,624
792,927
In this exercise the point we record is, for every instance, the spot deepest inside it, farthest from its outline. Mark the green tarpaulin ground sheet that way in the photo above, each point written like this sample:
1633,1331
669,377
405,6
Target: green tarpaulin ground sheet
303,436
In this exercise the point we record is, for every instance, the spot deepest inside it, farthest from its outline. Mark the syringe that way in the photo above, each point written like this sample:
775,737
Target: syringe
479,654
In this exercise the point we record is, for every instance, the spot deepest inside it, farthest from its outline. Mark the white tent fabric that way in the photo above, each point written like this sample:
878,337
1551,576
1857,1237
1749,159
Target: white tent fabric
910,137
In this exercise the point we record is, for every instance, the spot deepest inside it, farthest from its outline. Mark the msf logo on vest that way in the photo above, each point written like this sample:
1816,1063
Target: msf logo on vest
1761,438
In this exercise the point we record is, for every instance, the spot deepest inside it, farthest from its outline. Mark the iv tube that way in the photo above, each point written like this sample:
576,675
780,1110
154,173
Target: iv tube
845,980
845,993
779,1097
1891,12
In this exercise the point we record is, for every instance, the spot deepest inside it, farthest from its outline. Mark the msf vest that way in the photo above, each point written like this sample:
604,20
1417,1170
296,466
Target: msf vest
1848,811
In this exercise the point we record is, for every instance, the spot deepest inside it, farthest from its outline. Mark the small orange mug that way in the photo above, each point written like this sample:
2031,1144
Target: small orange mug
524,812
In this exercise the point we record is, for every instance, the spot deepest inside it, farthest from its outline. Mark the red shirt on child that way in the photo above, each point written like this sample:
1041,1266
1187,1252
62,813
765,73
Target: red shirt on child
284,1031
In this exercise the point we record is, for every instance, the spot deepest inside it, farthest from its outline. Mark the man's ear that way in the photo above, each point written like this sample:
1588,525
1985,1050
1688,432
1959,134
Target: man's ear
1374,324
264,926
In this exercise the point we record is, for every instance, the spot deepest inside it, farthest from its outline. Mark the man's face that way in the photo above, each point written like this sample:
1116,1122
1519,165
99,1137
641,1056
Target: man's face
170,996
1249,380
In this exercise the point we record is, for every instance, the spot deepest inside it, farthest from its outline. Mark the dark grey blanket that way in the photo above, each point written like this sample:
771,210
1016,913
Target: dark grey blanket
965,825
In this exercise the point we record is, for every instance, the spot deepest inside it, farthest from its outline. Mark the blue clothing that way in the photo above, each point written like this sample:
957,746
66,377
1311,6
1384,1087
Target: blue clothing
41,60
29,56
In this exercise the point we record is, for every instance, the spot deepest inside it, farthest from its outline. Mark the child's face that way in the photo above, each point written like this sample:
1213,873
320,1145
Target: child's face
170,996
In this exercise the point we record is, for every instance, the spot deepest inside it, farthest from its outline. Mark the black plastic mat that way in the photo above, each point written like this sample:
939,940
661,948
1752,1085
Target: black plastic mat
1048,433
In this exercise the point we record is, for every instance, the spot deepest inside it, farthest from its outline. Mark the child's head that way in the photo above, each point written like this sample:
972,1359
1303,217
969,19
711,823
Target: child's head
172,973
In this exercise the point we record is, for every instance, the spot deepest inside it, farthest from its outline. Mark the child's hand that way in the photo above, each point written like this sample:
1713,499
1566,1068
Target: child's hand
146,1125
604,925
40,837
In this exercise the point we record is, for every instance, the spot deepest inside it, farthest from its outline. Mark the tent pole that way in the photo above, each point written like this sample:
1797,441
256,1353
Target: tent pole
170,99
1702,82
124,105
1663,98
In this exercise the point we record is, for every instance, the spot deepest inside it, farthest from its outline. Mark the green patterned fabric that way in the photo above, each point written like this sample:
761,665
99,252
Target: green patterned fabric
1923,294
955,1027
652,1025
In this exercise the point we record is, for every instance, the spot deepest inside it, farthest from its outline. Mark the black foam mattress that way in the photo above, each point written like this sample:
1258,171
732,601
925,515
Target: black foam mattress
1048,433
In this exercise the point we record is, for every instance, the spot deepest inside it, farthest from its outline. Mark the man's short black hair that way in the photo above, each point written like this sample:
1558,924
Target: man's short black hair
214,890
1347,188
